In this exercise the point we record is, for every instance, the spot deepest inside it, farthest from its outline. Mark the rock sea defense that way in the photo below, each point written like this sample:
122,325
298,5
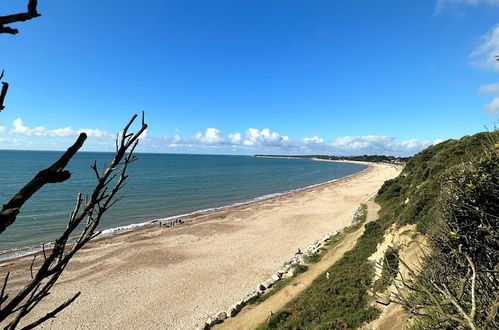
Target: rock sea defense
285,271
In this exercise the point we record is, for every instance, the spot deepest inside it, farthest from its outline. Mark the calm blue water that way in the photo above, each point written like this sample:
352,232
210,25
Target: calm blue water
159,186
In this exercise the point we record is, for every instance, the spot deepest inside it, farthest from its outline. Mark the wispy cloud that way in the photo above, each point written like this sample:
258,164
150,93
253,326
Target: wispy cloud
485,54
491,89
493,107
442,4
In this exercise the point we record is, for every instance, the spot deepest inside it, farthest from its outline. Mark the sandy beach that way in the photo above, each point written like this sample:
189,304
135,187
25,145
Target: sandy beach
156,277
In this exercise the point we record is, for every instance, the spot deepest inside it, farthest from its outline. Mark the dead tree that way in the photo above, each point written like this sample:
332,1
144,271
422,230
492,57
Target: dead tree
3,91
19,17
9,19
88,211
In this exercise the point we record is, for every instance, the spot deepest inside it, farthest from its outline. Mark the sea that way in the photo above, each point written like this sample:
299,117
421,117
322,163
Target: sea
160,186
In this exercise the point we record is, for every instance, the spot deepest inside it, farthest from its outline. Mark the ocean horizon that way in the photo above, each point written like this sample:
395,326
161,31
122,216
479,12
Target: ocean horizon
160,186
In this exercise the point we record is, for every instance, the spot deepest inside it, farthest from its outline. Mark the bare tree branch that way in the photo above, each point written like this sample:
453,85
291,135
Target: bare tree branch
20,17
3,93
53,313
54,173
103,196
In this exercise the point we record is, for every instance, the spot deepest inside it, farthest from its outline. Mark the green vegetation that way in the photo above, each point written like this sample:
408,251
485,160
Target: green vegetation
450,191
361,214
412,197
313,258
460,275
390,268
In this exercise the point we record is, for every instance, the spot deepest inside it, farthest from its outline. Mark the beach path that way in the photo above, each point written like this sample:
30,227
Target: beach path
254,315
175,278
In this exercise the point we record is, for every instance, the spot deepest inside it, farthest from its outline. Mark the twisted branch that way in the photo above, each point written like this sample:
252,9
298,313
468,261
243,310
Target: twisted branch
103,196
20,17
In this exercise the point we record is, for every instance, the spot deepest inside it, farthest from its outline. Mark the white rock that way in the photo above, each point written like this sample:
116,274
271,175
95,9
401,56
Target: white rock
232,311
240,305
268,283
251,295
209,322
219,317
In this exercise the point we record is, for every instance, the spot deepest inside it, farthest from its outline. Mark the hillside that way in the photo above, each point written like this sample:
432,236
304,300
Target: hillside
449,193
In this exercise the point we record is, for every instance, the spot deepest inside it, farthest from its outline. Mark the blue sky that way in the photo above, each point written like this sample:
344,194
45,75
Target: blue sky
253,76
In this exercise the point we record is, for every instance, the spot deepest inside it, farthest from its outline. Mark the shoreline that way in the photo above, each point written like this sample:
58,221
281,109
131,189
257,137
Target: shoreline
13,254
176,277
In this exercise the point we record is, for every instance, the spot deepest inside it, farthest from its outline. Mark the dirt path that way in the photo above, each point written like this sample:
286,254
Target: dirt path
253,315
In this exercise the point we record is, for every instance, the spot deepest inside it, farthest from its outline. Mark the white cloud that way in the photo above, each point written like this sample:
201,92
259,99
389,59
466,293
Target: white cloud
437,141
313,140
493,107
489,89
235,138
176,138
485,54
264,137
376,145
95,133
211,136
212,140
62,132
20,129
2,129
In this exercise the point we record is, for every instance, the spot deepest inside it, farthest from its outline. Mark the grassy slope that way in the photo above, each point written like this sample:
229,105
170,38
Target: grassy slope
342,301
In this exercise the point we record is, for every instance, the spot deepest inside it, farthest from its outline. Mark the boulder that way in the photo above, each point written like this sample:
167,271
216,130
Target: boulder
276,277
210,322
240,305
268,283
232,311
220,317
284,270
251,295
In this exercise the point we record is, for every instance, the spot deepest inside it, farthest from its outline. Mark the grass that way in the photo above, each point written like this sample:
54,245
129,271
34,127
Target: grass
313,258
